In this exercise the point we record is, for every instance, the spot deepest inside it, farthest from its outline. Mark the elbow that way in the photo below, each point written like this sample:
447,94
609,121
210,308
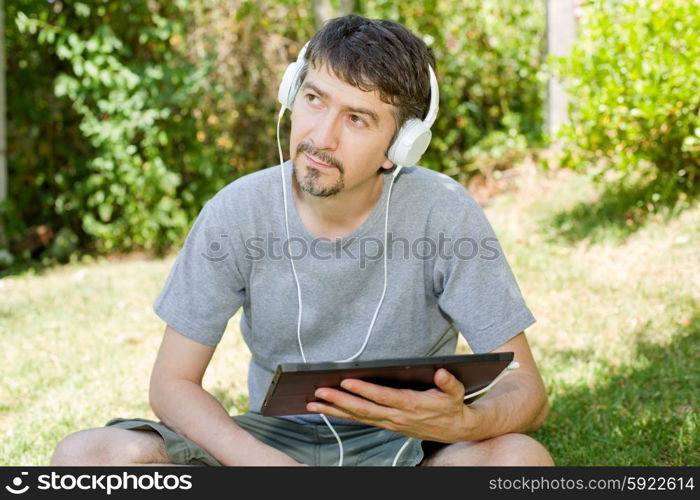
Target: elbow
153,400
166,394
156,390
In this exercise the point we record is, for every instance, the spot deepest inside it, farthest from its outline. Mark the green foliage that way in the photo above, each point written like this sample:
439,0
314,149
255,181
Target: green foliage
634,75
125,117
110,154
489,65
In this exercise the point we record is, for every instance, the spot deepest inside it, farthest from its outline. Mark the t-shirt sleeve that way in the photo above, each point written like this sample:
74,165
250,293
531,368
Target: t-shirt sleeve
475,285
204,288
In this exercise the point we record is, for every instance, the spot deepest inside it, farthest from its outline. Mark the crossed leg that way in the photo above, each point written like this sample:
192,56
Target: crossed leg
506,450
122,447
111,446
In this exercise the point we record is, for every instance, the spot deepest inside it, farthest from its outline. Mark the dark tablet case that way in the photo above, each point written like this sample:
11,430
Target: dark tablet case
293,384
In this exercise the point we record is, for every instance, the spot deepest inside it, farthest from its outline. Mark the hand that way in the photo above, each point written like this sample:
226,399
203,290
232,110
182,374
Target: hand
436,414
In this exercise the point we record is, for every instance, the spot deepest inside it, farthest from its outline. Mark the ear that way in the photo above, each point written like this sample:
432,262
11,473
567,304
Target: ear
388,164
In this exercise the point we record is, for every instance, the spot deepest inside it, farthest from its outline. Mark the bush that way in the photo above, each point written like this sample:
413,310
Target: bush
634,75
125,117
492,83
106,102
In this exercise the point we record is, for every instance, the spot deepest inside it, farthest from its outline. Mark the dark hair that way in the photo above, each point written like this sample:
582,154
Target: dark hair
377,55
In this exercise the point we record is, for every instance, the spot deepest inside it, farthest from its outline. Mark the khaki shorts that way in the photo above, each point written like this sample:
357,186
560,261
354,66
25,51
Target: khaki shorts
311,444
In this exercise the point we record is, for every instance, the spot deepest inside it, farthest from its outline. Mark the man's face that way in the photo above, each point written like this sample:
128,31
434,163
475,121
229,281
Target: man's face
340,134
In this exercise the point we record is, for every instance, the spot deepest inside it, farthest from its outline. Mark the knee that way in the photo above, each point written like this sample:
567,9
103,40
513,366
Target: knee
101,446
80,448
519,450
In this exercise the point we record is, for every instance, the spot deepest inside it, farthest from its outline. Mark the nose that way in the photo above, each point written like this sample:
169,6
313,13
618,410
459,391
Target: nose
326,132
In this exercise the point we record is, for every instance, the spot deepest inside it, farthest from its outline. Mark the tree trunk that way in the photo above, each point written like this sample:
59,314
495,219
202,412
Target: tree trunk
324,10
561,34
3,128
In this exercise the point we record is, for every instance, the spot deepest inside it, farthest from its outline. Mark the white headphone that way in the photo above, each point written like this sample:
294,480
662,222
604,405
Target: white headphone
411,141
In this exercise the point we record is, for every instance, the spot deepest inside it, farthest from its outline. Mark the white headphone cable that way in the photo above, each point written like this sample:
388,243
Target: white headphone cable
296,278
381,299
286,222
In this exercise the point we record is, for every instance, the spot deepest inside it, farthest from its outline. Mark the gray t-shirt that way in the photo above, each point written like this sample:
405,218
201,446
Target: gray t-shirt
446,273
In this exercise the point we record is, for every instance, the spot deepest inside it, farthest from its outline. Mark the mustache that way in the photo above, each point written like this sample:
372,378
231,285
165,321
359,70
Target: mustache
325,157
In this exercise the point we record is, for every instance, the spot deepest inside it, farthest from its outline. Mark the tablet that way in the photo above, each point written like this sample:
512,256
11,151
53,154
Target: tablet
293,384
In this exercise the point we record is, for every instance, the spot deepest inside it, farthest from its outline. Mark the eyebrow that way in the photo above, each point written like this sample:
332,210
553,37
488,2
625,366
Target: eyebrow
353,109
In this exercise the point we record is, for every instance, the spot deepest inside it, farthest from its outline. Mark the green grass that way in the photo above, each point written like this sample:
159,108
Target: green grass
615,289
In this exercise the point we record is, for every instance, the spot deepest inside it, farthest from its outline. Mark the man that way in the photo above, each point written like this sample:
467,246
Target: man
361,81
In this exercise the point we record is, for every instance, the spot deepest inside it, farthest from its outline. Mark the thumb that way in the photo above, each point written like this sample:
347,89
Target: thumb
448,383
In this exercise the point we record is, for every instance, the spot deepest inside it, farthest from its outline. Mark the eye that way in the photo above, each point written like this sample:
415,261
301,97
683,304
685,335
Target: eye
312,99
358,121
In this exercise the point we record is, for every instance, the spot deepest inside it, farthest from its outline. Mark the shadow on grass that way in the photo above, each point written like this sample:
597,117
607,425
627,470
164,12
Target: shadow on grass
622,209
640,416
38,265
33,267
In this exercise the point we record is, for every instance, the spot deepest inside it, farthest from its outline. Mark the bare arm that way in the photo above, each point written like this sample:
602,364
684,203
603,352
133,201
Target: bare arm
178,399
518,404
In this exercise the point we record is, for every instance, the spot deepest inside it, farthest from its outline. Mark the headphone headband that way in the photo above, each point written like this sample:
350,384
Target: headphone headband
431,115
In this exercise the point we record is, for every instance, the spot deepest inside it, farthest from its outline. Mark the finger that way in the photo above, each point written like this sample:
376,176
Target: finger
382,395
329,410
334,411
448,383
352,404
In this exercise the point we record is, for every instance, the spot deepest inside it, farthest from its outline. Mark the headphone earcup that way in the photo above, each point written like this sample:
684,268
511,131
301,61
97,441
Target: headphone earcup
290,83
410,143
